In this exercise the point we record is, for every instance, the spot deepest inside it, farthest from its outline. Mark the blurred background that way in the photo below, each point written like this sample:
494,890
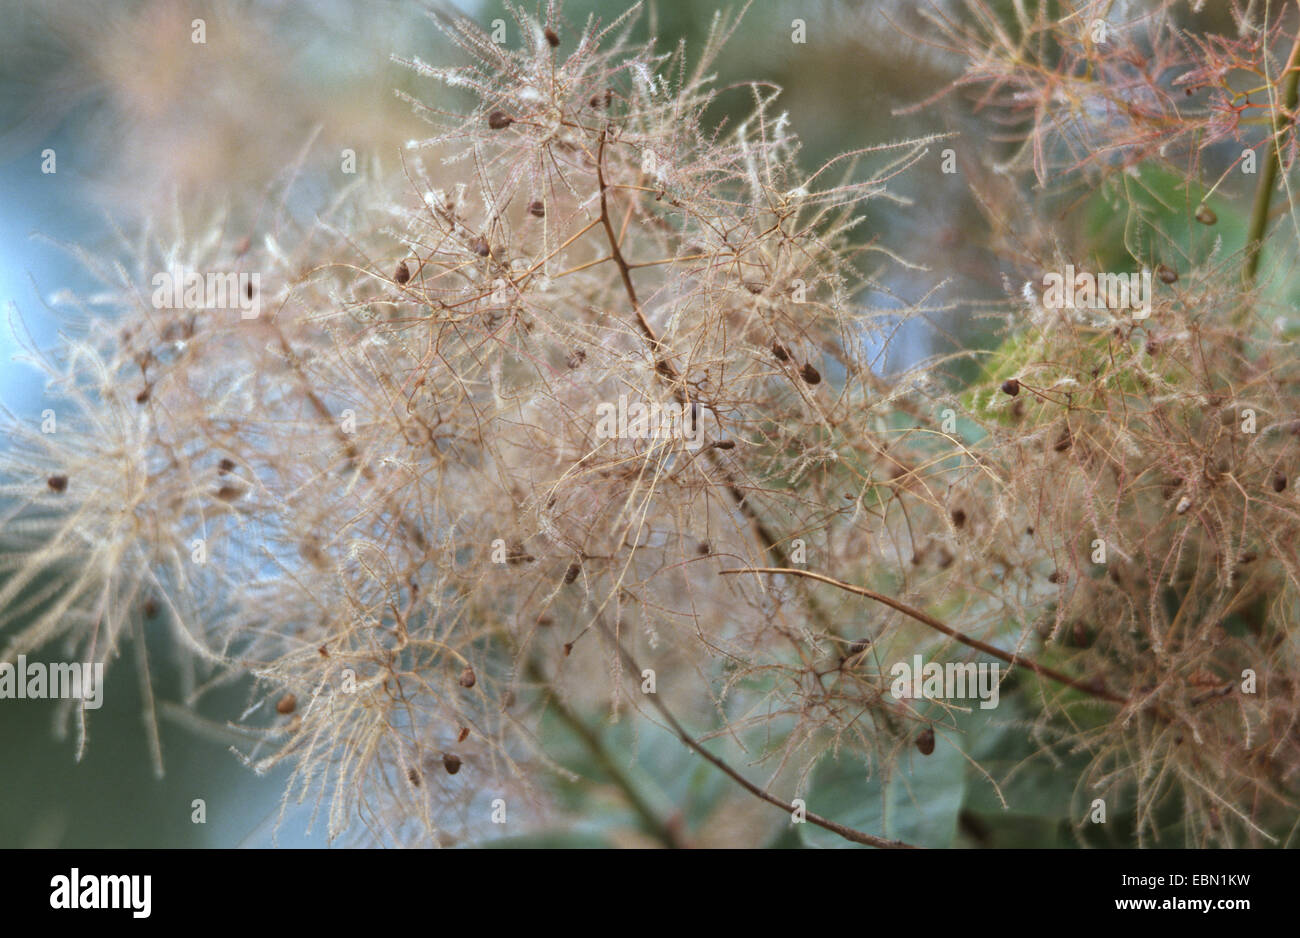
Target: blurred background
142,120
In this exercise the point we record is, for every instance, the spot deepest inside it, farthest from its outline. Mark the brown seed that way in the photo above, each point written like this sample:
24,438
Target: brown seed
925,741
413,776
1279,482
958,517
143,396
451,763
1055,576
810,374
57,483
856,649
1011,386
402,273
467,678
225,466
324,652
537,209
463,734
572,573
545,621
577,358
480,246
725,444
150,608
1064,441
568,648
780,352
552,36
1205,215
287,704
499,120
229,493
1166,274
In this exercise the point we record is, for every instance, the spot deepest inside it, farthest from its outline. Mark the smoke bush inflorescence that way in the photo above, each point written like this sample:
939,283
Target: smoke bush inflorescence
390,498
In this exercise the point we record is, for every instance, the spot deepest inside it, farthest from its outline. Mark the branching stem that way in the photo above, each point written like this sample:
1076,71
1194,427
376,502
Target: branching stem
932,622
1282,115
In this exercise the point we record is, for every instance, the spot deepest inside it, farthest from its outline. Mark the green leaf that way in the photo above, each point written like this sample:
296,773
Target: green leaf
1150,214
1030,782
918,803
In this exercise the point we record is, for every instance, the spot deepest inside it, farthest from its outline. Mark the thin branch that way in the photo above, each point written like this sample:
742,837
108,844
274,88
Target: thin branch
932,622
769,542
1282,116
663,831
848,833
